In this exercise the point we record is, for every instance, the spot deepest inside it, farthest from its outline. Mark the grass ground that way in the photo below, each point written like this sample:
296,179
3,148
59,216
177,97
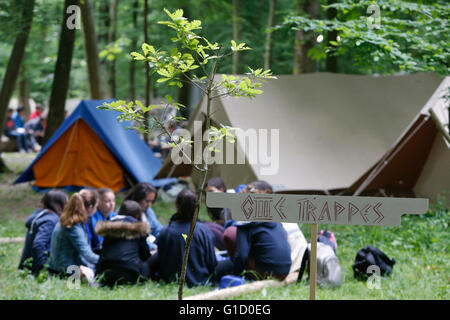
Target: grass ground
419,245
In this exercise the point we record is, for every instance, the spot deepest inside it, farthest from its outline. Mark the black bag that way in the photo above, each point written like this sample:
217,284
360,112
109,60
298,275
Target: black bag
369,256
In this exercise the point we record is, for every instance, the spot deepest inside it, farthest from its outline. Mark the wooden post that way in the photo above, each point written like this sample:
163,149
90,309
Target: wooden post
313,263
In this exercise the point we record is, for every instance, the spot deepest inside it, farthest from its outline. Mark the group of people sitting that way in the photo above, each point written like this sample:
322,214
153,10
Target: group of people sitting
131,245
27,134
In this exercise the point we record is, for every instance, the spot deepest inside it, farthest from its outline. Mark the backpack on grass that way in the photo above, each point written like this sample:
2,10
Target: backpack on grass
371,256
329,271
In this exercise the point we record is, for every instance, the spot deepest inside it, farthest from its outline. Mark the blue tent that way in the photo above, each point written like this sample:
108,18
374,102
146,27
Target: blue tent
127,152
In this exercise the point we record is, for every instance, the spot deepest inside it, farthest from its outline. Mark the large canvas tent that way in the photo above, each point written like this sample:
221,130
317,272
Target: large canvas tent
332,127
91,149
419,161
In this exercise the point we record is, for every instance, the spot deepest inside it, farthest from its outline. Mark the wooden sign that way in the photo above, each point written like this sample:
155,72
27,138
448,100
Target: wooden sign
314,209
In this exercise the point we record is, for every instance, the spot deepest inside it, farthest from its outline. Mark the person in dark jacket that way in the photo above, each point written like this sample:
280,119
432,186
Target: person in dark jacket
267,242
40,227
12,132
259,247
202,267
125,253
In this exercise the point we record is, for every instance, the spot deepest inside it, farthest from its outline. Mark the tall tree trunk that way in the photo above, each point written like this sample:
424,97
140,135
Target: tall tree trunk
91,49
147,67
24,92
331,63
103,28
16,58
61,76
304,41
104,22
268,52
236,36
134,41
111,65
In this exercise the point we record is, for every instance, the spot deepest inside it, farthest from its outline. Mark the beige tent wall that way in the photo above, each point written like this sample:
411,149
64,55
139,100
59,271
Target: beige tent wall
435,176
232,175
332,127
419,159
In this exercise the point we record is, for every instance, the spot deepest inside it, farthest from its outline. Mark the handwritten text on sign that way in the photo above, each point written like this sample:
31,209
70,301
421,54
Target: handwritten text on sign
317,209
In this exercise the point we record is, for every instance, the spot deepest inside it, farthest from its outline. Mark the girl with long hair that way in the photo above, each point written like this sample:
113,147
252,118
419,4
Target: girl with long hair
145,194
69,244
40,227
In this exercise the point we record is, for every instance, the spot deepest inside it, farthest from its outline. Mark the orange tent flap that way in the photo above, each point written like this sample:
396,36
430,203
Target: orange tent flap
78,158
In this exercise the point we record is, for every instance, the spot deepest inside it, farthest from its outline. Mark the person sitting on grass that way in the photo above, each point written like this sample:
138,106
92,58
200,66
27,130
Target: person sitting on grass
69,243
202,267
12,132
35,129
105,212
40,226
37,112
295,237
145,194
125,253
261,248
218,215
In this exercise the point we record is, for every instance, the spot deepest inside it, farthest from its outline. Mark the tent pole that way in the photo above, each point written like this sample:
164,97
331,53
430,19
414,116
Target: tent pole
439,125
172,169
313,263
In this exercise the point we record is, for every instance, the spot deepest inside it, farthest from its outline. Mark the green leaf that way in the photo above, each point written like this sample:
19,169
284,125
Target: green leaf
195,24
164,72
180,105
177,14
160,80
145,49
140,105
137,56
233,45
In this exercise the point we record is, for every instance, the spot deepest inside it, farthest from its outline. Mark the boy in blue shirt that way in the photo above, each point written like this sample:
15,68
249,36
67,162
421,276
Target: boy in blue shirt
105,211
